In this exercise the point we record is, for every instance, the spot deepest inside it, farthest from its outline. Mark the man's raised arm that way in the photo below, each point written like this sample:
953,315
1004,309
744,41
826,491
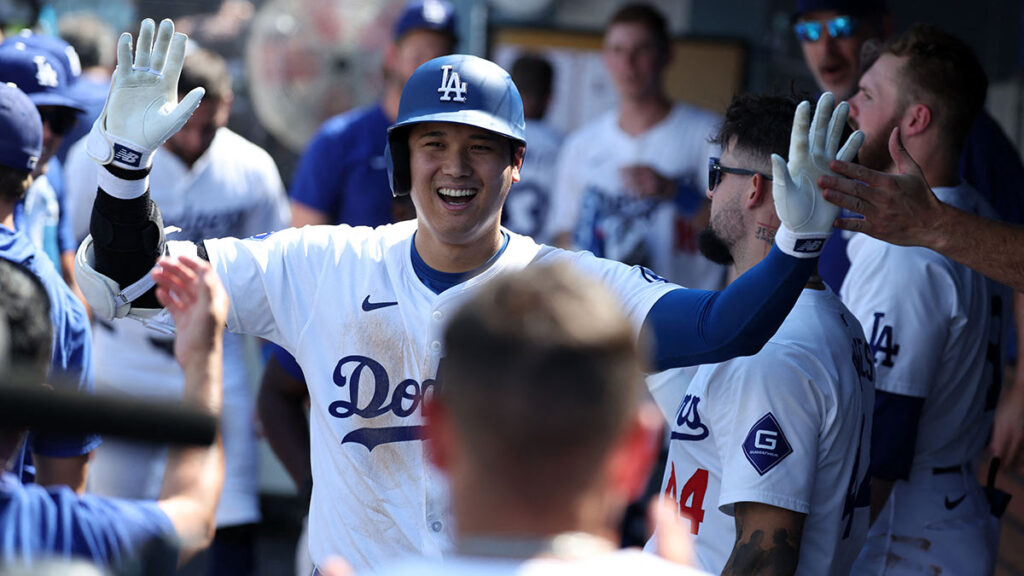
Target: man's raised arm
126,231
901,209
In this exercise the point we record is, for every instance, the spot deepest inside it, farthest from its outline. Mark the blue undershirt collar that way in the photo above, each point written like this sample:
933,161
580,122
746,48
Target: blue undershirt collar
439,281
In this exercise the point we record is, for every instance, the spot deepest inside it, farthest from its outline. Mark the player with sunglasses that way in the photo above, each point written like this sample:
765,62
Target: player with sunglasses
716,170
831,33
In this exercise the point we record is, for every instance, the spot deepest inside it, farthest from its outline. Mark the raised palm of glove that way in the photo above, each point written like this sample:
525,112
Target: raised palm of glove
805,215
142,109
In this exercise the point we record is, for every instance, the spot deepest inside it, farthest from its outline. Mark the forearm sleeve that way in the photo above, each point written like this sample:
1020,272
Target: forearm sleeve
691,327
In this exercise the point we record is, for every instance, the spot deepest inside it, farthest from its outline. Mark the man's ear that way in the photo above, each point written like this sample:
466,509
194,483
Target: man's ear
760,192
629,465
916,119
518,153
438,432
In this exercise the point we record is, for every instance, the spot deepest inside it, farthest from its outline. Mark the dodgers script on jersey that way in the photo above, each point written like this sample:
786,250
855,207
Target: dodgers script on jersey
935,329
347,303
788,427
610,221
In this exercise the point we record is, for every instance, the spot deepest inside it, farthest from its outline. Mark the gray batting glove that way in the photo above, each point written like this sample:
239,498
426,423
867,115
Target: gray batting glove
142,109
806,217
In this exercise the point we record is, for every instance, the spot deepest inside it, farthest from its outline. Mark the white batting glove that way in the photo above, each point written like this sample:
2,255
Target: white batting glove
806,217
142,109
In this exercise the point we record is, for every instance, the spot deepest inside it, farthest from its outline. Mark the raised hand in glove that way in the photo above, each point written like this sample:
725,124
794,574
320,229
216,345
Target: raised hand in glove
806,217
142,109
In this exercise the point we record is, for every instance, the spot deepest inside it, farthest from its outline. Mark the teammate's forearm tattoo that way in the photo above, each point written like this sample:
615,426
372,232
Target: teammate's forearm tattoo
755,554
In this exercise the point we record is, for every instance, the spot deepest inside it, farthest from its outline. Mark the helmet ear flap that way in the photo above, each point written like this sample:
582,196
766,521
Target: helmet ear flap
396,154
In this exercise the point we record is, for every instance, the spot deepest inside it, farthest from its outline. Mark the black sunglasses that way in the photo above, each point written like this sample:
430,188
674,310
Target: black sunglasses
61,120
715,171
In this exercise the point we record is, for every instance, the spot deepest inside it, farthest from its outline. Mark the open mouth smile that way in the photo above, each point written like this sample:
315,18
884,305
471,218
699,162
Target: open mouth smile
456,196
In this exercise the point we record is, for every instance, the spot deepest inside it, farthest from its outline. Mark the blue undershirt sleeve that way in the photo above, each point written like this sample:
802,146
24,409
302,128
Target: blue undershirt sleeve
691,327
894,434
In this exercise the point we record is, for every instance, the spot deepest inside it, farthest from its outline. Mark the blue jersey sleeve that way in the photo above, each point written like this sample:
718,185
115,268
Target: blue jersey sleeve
42,523
736,321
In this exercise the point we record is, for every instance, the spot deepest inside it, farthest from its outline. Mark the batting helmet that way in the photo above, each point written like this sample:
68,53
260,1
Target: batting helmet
456,88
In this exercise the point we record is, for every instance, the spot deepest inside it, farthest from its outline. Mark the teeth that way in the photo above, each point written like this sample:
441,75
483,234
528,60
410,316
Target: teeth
456,192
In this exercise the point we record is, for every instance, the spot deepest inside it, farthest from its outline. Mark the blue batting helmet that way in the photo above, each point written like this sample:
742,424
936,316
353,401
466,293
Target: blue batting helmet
460,89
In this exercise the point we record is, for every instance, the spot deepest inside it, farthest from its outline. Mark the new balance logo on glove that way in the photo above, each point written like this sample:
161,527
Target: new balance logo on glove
126,155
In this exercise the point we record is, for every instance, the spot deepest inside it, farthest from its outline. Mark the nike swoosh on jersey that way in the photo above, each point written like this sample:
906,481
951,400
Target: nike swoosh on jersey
371,306
951,504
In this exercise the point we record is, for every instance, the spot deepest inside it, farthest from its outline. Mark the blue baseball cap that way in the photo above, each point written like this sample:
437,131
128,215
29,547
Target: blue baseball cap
435,15
37,72
64,53
21,130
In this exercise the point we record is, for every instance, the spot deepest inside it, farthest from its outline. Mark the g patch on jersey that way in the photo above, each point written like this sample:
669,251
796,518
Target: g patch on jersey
766,445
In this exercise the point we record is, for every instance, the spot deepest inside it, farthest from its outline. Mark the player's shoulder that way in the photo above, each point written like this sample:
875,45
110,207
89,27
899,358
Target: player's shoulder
351,123
890,262
817,332
594,132
232,145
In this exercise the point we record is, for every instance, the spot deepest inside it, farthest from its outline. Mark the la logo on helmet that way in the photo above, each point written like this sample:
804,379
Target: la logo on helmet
450,82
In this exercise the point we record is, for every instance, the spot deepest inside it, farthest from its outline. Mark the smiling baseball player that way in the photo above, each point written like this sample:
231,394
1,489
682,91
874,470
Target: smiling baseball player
363,310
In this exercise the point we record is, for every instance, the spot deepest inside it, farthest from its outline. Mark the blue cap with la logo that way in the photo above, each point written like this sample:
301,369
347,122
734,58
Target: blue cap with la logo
37,72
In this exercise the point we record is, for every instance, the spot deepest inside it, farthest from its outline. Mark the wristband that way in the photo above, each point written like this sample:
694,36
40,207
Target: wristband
800,244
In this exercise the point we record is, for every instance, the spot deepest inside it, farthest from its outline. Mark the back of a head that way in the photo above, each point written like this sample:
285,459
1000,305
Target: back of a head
533,76
647,16
21,142
208,70
26,311
93,39
541,375
431,15
760,124
944,73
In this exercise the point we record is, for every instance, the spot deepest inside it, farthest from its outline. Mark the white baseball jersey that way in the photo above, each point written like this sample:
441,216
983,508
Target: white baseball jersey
529,208
935,328
346,302
232,189
605,218
629,561
789,427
